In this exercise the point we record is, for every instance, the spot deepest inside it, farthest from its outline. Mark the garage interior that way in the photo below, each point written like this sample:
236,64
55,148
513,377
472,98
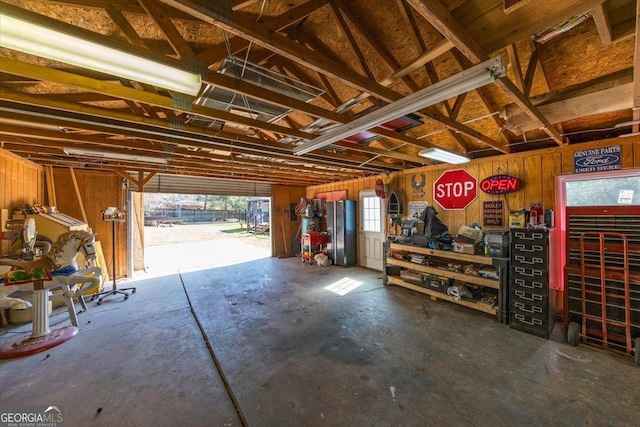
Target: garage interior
314,104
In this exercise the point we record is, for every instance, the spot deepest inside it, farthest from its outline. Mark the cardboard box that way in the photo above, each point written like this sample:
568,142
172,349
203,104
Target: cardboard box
468,235
465,248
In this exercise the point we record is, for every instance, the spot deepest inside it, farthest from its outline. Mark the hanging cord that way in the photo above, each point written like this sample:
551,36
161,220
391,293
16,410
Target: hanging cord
232,58
261,10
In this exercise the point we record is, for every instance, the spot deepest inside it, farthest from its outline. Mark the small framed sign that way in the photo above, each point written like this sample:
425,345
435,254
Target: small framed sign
597,159
416,209
493,213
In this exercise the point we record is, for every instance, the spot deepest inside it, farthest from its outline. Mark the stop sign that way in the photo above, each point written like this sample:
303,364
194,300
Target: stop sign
455,189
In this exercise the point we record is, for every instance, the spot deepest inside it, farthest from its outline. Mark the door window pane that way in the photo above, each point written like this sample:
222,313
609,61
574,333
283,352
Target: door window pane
371,219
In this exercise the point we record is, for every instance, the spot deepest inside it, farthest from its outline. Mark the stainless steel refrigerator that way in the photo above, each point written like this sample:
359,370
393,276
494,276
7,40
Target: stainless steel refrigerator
341,230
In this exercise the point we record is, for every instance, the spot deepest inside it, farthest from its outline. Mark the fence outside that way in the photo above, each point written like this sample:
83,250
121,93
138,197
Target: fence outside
167,215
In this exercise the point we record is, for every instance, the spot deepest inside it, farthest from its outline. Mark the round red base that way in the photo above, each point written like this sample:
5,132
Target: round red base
26,345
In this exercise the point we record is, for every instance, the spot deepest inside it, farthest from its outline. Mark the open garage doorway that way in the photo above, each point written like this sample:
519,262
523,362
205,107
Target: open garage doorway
190,232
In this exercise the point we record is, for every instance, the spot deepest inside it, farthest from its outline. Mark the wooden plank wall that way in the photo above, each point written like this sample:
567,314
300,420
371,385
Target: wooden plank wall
98,191
21,181
537,170
284,230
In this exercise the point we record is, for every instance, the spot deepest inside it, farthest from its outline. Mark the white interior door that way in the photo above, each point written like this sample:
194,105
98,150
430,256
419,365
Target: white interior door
371,230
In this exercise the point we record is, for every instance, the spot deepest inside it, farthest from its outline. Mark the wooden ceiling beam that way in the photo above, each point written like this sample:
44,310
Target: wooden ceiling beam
125,166
124,26
153,99
162,19
514,59
61,77
122,92
58,140
486,23
485,99
438,16
534,61
236,44
432,114
256,92
184,163
266,38
603,25
127,6
119,123
353,44
443,47
386,56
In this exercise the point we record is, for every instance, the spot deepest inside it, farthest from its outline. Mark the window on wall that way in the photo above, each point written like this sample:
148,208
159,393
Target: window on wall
604,192
371,220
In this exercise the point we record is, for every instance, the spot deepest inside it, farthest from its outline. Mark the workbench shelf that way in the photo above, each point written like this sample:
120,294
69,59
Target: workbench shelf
443,258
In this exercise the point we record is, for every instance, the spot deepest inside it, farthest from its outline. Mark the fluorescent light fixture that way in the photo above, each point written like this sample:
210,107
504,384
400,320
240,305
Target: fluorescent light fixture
624,124
47,42
470,79
220,152
115,156
443,156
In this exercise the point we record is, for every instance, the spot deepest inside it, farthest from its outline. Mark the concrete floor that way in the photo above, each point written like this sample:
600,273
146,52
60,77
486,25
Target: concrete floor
297,354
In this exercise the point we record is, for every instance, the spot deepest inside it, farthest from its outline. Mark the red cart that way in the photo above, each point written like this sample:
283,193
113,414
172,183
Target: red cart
313,243
607,318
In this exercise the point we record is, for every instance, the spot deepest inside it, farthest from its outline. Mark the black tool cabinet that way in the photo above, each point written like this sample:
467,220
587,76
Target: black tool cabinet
532,301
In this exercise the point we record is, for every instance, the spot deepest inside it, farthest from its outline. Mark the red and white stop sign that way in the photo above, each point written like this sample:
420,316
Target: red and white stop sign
455,189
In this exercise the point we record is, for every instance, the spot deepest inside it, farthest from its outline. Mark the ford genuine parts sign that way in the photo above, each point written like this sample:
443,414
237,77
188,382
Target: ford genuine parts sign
597,159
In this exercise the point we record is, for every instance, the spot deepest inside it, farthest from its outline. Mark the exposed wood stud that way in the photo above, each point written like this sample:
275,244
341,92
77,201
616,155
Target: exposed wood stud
352,41
601,19
161,17
124,25
78,195
514,59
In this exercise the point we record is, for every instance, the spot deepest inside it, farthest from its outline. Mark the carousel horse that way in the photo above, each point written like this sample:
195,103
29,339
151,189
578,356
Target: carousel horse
61,266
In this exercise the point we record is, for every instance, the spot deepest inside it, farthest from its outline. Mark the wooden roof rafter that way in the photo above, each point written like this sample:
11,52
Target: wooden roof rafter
400,50
20,135
431,71
41,148
353,44
159,129
438,16
160,16
292,17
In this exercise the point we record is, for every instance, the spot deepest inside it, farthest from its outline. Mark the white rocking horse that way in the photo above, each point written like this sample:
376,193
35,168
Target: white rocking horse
60,263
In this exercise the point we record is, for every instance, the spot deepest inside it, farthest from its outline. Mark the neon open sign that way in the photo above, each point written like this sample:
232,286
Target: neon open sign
500,184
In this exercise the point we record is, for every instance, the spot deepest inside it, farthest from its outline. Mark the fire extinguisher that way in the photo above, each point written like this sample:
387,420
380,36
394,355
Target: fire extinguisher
540,213
533,217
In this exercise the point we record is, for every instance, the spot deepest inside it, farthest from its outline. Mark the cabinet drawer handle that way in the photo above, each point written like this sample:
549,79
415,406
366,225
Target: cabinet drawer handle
534,236
533,272
524,284
533,308
534,248
534,260
533,296
533,322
